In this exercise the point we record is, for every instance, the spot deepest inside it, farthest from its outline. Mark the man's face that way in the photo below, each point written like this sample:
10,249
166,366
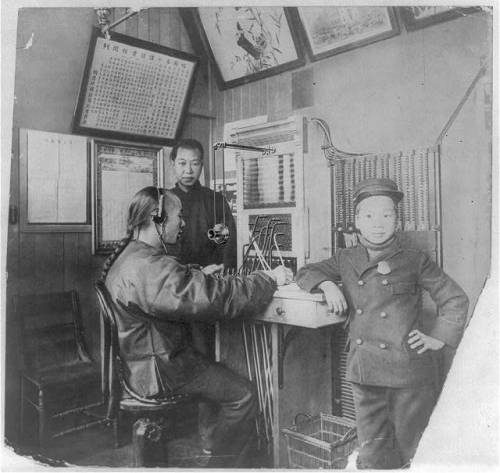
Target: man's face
187,167
376,218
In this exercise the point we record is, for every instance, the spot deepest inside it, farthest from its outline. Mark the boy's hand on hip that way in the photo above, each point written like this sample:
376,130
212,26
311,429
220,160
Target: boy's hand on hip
421,342
334,298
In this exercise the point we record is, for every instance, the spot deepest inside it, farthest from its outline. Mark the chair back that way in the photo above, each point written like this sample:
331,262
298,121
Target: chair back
109,350
51,330
115,387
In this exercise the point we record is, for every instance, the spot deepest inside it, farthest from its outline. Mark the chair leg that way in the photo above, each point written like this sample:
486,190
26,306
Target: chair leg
146,443
22,431
138,441
116,433
42,421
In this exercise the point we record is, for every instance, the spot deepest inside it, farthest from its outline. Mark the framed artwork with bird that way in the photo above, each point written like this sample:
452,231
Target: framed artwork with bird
248,43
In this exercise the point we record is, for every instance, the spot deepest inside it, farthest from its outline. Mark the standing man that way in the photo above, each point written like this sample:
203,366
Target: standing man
196,248
198,210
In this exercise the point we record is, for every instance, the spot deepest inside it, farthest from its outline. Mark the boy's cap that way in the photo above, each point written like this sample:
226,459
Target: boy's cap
371,187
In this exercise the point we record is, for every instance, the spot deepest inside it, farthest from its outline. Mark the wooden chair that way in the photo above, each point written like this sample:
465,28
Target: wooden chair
58,377
154,417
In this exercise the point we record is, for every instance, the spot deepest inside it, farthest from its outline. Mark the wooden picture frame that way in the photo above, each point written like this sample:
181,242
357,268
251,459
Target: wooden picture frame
134,90
248,43
54,182
119,170
332,30
417,17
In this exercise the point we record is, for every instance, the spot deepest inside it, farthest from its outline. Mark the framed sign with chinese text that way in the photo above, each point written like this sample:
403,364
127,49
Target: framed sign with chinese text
119,171
134,90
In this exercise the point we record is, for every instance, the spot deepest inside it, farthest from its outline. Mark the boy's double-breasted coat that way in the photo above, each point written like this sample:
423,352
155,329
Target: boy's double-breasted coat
385,304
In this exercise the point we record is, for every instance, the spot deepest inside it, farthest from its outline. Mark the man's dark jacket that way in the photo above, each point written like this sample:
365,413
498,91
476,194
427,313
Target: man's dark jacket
198,211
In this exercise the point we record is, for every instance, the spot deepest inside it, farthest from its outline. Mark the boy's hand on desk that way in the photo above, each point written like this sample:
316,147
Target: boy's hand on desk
212,269
422,342
334,298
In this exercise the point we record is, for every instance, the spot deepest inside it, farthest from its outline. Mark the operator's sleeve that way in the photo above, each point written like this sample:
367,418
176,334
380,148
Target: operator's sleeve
175,291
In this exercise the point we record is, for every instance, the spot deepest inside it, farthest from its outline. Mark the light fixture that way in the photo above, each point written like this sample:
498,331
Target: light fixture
103,15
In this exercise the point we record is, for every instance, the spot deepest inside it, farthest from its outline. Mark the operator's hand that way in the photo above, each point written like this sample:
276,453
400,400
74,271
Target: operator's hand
334,298
281,274
212,269
421,342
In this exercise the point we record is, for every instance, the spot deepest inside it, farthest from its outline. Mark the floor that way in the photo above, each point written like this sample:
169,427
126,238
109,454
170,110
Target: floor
93,447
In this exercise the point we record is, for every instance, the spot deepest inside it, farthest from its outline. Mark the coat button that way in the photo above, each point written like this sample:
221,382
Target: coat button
383,314
361,282
359,341
383,346
359,311
385,282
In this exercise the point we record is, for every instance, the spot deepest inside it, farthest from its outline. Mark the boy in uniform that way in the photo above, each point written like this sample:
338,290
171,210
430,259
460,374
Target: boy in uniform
390,362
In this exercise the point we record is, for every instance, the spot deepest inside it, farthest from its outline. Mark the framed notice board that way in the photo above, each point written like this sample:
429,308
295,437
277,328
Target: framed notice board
134,90
54,175
119,171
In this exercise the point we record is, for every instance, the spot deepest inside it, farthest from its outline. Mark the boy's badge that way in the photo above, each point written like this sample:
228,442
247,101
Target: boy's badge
383,267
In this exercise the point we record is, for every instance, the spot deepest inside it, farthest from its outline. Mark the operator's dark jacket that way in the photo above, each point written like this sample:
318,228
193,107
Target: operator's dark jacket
156,297
384,308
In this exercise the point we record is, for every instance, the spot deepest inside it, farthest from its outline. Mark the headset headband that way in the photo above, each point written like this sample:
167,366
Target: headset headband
160,216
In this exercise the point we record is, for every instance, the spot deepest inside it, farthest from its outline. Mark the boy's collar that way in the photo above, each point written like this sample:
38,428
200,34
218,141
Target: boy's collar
361,262
377,248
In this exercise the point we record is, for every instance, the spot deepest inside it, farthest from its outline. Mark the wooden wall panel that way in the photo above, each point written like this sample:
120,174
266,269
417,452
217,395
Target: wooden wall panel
154,25
228,107
117,14
170,24
184,41
70,251
26,263
245,101
11,376
218,100
236,103
49,262
143,25
263,99
132,26
254,99
41,263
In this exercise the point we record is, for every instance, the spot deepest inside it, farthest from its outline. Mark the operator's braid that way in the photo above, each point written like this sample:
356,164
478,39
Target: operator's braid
112,257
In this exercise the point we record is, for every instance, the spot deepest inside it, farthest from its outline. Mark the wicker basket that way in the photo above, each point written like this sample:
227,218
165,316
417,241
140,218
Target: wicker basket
323,441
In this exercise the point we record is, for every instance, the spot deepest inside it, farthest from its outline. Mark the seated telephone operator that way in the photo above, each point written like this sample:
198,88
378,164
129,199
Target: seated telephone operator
156,298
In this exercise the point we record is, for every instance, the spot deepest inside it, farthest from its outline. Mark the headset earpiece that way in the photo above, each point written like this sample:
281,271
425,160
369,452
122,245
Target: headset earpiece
160,215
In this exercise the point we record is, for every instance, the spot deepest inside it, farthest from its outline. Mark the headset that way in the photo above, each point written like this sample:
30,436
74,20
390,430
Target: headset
160,216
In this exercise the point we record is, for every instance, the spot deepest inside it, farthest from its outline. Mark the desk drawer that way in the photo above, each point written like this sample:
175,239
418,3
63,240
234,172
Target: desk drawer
303,313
